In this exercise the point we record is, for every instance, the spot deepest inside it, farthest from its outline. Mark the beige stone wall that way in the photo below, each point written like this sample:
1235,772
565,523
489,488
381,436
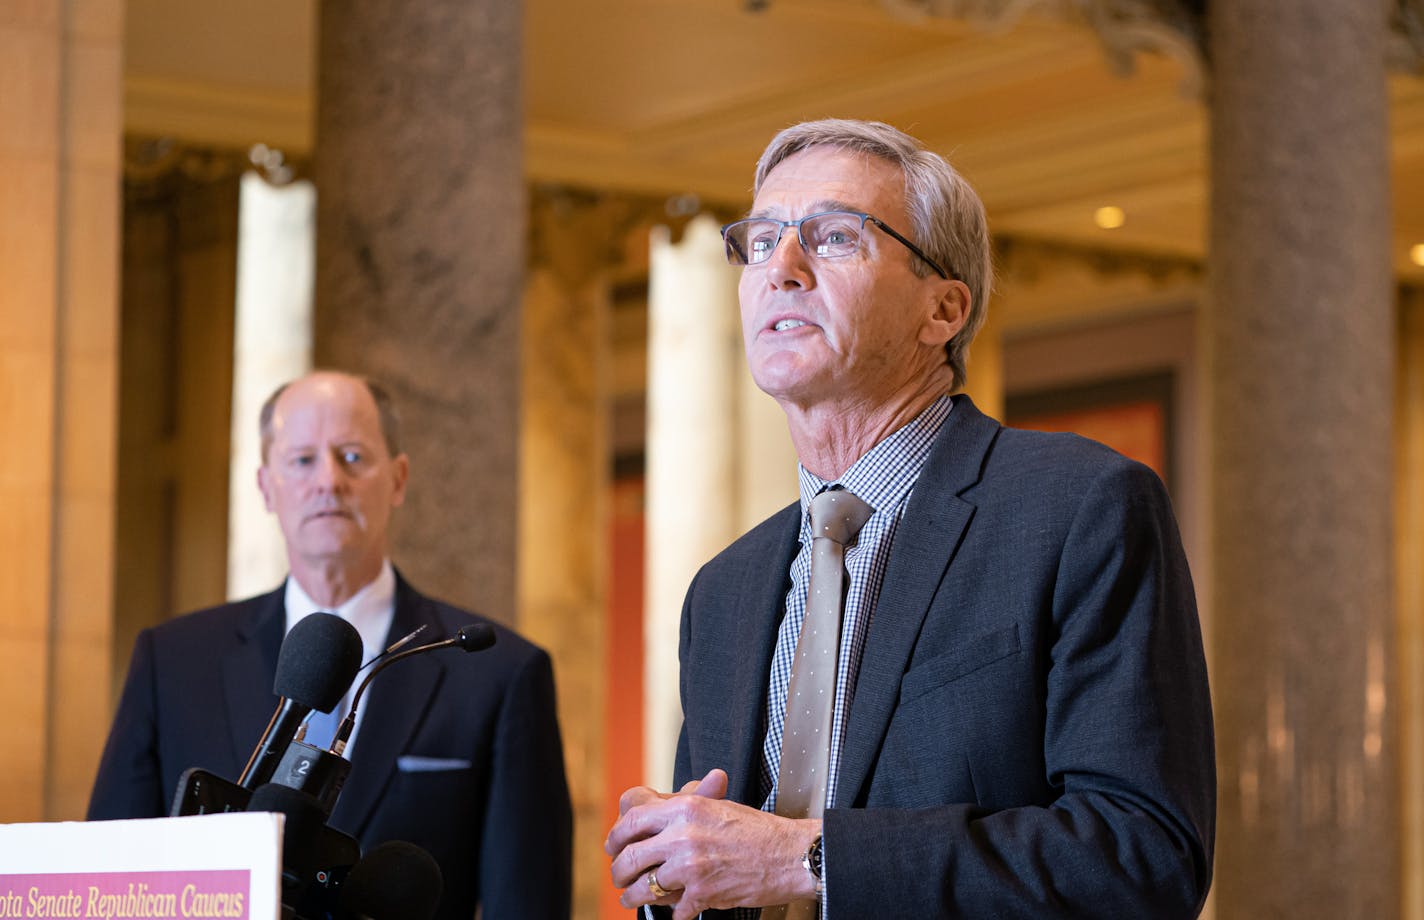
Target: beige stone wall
564,474
578,256
175,353
59,168
562,524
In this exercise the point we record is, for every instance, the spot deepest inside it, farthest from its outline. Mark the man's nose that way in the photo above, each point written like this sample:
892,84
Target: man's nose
329,472
789,265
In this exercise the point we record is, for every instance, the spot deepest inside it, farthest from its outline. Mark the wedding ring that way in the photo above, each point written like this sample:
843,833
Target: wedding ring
657,890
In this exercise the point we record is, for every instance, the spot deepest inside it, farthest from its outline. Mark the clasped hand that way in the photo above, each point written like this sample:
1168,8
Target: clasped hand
707,852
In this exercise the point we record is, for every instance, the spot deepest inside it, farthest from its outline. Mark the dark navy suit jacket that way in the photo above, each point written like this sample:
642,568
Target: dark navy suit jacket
458,753
1031,731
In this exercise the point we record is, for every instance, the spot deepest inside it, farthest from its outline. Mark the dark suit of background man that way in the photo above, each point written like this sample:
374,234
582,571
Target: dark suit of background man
460,755
1022,725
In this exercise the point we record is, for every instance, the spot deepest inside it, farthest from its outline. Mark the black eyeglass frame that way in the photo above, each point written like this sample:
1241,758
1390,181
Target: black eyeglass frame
739,258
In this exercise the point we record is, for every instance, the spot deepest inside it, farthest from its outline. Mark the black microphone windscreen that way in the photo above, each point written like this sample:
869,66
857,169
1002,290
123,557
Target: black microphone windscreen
318,661
475,637
394,881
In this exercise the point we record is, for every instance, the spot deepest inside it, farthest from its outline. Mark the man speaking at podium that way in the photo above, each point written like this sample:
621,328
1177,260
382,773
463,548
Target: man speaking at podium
460,756
963,675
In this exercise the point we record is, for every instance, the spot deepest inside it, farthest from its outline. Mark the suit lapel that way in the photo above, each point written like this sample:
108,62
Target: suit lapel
395,704
760,608
925,543
247,675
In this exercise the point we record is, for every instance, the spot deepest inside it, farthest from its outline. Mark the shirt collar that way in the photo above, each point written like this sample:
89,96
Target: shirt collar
369,610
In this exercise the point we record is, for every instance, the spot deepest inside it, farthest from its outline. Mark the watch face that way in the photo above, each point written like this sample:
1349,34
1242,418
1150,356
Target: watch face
813,857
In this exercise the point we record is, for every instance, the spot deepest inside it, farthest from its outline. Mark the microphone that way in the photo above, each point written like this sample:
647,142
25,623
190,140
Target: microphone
323,772
315,857
476,637
319,658
394,881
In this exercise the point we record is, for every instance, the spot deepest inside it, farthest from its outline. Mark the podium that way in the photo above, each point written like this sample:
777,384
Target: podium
210,866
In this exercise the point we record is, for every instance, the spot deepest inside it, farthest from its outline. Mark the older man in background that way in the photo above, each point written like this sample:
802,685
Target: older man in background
461,756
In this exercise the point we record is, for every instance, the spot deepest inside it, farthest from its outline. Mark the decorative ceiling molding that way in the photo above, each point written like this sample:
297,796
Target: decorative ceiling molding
1175,28
1029,259
218,114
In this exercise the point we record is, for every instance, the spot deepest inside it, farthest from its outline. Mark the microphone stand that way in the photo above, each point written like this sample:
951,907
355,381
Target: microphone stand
473,638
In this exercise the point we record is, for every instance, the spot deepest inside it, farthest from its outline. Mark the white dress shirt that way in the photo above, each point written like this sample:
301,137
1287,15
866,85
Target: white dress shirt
370,610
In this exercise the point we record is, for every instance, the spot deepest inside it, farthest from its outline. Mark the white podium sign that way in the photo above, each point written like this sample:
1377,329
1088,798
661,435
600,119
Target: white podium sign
224,865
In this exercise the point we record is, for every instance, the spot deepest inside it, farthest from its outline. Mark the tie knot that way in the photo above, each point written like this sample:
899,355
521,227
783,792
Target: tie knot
838,515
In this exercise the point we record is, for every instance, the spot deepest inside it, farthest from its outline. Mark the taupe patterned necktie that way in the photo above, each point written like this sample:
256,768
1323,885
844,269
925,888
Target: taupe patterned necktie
836,518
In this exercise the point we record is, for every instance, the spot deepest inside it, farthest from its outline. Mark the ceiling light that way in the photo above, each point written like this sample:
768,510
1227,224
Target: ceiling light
1109,218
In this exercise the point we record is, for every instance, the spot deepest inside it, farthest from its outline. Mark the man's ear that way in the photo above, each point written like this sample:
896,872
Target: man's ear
400,468
264,486
948,313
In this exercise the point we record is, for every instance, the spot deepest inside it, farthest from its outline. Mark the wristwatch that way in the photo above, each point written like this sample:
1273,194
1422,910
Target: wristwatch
811,859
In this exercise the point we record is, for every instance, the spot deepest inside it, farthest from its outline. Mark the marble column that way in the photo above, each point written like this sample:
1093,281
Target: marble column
271,343
694,347
60,68
1300,352
420,262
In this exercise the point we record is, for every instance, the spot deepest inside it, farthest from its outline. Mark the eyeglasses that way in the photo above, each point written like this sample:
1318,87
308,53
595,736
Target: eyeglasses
827,235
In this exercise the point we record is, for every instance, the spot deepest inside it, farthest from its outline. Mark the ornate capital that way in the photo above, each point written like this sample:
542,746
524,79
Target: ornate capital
579,232
151,161
1176,28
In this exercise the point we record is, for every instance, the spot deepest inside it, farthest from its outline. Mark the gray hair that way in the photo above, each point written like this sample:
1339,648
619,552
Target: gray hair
946,216
385,411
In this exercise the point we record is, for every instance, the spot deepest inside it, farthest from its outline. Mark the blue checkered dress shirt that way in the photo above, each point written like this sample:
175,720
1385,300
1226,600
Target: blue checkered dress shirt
883,479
